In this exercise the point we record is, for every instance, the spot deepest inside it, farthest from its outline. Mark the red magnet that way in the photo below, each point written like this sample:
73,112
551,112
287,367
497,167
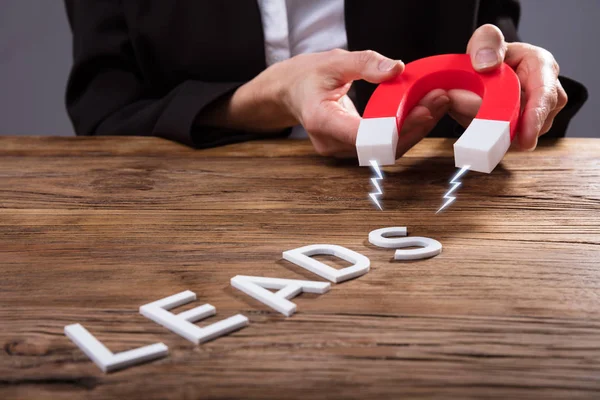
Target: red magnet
484,142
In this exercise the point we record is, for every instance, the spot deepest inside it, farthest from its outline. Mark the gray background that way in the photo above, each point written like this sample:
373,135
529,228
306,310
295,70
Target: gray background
35,56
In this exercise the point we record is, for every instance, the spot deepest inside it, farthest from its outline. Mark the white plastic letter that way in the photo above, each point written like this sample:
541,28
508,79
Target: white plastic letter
429,248
382,237
182,324
104,358
302,257
256,286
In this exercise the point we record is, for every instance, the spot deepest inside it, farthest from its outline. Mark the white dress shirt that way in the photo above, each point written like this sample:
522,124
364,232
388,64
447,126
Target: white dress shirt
293,27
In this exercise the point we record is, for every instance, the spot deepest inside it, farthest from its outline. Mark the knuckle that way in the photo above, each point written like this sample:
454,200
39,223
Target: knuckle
563,98
536,57
554,97
554,101
545,53
336,52
541,59
547,58
541,113
519,46
555,67
364,57
547,128
551,96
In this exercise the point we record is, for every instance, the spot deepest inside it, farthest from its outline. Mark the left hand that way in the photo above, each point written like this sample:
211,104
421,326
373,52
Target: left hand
542,94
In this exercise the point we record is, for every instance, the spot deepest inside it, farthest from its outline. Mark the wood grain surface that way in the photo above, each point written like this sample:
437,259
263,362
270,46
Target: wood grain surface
92,228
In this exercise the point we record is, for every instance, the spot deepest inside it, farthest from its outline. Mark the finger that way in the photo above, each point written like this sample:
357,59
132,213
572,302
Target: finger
368,65
329,147
465,102
538,73
423,119
487,48
417,117
538,107
346,102
462,120
345,151
411,137
464,105
562,102
332,120
425,108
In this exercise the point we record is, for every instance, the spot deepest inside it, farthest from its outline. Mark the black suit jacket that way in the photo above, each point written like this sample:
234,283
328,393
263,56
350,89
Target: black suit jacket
149,67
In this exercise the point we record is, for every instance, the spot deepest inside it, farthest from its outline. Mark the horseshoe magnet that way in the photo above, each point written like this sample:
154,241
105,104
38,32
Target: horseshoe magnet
484,142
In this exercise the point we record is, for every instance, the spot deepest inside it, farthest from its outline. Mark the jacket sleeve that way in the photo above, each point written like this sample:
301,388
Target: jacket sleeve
107,95
505,14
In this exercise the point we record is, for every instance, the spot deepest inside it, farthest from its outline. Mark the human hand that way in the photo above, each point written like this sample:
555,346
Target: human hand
542,95
314,91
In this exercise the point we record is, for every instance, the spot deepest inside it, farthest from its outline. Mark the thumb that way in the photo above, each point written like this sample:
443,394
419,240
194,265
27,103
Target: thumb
487,48
368,65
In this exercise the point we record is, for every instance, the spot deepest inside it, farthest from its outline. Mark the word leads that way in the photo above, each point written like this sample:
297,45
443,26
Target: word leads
255,286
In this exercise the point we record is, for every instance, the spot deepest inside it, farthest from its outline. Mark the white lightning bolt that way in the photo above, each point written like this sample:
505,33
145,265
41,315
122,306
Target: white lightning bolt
374,196
456,184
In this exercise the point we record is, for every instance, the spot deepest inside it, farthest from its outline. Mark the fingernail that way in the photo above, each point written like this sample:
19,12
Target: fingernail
486,58
386,64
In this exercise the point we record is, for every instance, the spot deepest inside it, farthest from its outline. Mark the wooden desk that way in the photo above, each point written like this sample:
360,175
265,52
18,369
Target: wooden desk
92,228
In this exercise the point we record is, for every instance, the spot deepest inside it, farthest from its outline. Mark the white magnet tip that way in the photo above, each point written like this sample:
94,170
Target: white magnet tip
376,140
483,145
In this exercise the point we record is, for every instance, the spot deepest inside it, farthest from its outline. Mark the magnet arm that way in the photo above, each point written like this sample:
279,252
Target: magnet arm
484,142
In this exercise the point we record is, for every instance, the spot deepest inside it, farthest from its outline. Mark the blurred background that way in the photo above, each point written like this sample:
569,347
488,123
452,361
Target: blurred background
35,57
